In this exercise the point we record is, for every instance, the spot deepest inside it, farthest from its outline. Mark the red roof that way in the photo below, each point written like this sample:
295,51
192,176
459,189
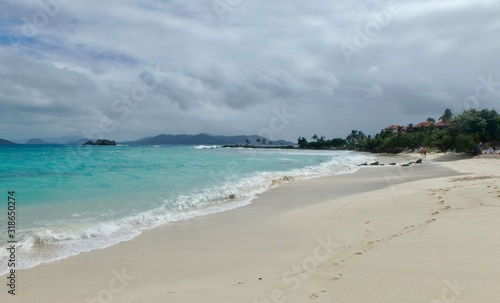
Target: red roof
423,124
441,124
394,126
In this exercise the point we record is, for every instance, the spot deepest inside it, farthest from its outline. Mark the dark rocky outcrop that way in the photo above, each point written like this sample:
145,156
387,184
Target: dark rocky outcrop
100,142
377,163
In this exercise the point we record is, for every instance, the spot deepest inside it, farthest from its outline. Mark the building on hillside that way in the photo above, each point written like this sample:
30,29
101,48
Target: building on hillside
422,125
395,128
441,125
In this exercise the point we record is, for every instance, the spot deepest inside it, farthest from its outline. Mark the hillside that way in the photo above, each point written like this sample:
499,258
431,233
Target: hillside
38,141
6,142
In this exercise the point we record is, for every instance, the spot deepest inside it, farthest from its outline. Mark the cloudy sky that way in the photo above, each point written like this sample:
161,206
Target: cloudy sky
124,69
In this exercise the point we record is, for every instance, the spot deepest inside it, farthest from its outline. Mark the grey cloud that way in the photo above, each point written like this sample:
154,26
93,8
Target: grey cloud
226,86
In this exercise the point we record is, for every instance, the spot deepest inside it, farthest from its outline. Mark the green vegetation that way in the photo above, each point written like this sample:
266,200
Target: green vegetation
460,133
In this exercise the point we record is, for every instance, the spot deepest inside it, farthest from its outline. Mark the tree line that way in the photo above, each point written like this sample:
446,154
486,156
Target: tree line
461,133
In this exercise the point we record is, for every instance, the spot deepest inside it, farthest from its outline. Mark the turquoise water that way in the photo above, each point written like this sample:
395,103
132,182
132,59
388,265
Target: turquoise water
72,199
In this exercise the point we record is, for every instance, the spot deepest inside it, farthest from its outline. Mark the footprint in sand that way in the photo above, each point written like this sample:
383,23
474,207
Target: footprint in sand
316,295
435,213
338,263
337,277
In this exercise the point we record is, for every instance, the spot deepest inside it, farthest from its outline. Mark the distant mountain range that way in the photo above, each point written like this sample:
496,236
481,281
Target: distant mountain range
199,139
204,139
69,140
65,140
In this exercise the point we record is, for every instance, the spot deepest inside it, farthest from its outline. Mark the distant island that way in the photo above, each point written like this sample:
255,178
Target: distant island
6,142
38,141
100,142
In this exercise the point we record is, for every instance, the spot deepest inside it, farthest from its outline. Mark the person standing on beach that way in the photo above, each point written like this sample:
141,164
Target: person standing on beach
423,152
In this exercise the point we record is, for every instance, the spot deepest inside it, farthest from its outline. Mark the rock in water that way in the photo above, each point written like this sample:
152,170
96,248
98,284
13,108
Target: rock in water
100,142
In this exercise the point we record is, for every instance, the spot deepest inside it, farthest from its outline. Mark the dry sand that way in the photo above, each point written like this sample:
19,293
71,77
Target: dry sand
426,233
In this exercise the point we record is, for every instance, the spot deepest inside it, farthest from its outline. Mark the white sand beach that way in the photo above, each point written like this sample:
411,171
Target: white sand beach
425,233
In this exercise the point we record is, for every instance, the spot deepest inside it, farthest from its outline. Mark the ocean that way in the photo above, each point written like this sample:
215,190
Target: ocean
74,199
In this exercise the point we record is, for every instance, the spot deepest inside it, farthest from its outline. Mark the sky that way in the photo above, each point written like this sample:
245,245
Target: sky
126,69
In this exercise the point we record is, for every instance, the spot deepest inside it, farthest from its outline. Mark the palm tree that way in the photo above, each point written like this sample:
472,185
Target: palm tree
431,120
257,141
247,142
264,141
446,117
315,137
302,142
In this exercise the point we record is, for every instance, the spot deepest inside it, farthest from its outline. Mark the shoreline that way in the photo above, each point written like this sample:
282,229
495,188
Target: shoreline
234,193
241,252
227,206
